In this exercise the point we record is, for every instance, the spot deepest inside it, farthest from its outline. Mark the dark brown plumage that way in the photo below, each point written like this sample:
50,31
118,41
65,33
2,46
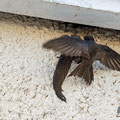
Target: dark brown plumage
83,52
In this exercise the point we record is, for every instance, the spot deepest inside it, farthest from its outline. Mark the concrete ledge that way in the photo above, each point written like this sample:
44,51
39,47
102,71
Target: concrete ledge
96,13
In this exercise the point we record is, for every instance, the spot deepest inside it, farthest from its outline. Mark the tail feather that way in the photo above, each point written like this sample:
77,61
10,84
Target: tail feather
88,75
77,71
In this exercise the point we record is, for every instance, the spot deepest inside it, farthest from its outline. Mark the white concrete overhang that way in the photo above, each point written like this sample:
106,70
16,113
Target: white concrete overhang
101,13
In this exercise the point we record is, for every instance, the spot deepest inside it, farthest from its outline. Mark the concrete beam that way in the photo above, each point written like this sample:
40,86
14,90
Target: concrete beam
95,13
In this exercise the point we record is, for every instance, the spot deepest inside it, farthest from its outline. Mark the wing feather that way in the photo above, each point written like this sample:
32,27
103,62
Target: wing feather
108,57
69,46
60,73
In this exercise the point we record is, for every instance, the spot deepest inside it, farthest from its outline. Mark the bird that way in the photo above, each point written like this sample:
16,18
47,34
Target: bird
84,52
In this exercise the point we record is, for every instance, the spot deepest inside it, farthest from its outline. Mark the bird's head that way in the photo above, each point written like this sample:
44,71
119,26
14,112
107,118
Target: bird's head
88,38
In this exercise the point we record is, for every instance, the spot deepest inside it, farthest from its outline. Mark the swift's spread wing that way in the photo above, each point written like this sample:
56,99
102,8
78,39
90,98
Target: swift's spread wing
60,73
69,46
108,57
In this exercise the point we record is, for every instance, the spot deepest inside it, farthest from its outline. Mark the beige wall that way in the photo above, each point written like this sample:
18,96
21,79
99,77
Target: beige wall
26,71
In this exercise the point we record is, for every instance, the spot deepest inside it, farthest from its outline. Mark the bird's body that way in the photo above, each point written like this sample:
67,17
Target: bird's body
84,53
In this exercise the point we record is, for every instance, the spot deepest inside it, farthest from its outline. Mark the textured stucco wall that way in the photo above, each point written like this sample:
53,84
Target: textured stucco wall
26,71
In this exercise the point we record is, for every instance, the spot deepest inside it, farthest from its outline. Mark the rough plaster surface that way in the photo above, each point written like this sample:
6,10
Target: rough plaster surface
26,71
